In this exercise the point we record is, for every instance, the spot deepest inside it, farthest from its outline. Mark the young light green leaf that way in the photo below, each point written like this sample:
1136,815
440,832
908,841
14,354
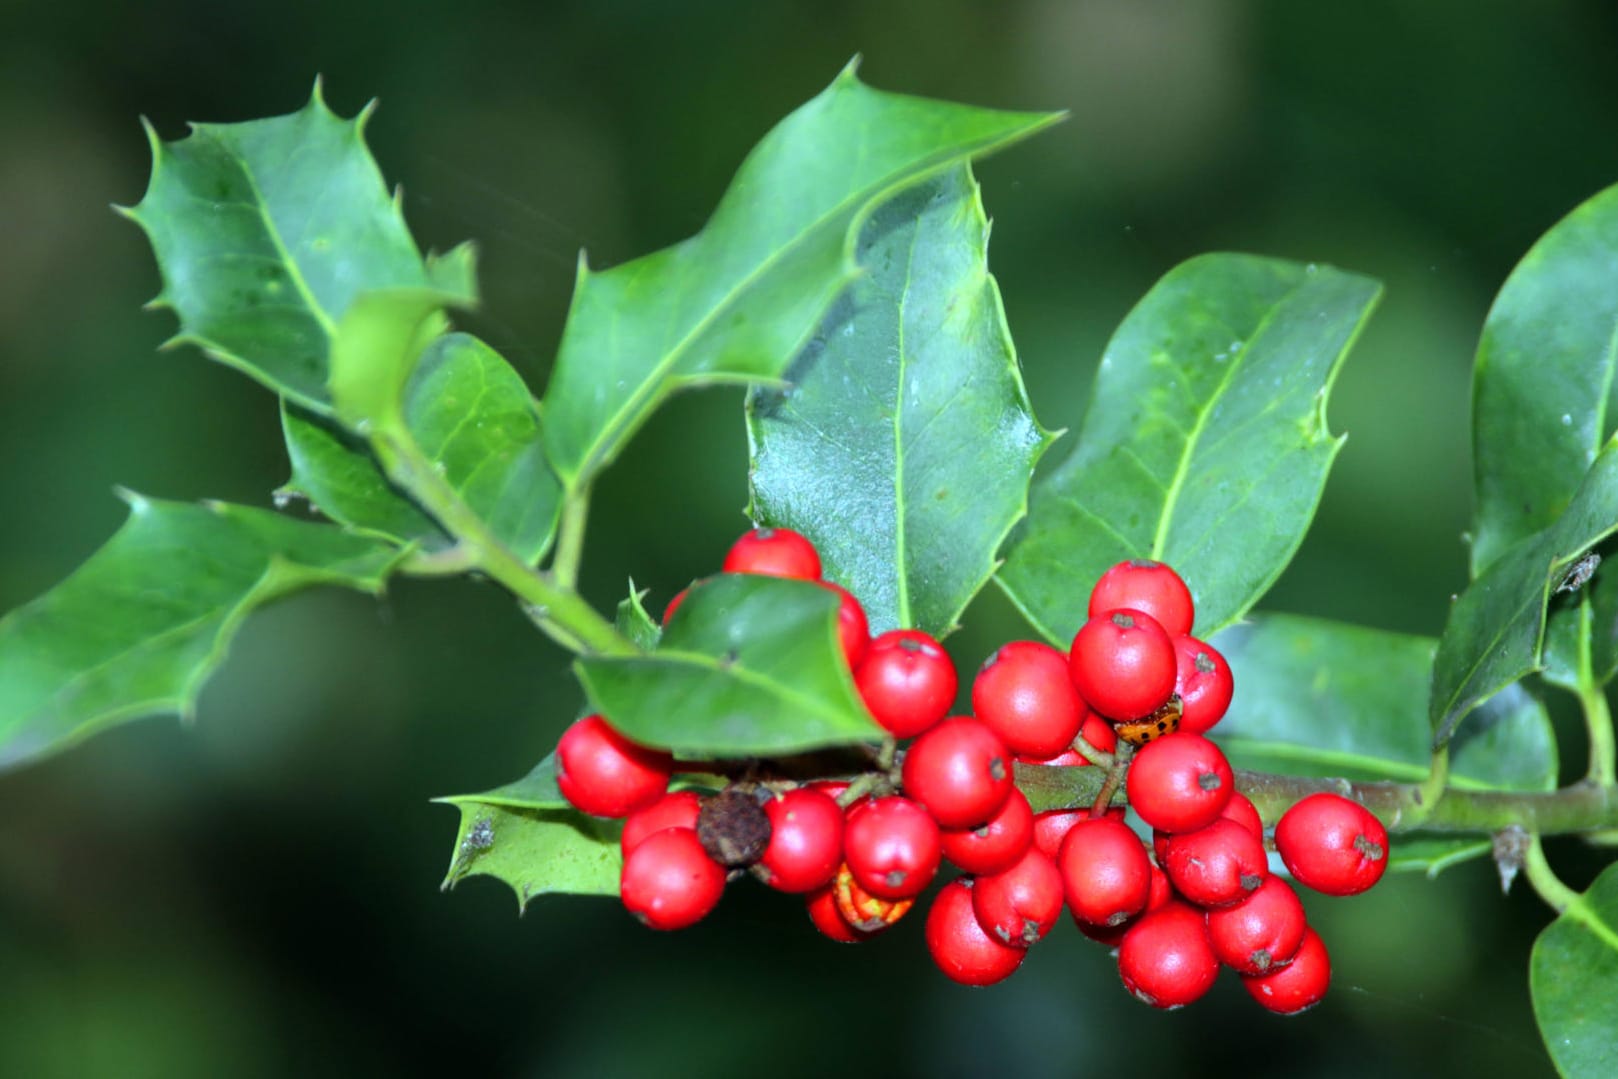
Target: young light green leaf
634,623
1544,379
736,302
536,790
863,450
1571,974
536,851
1494,631
1315,697
266,231
748,666
138,628
1205,443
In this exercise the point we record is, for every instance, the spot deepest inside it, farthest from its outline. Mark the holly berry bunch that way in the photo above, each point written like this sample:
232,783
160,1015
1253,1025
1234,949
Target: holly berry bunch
1135,693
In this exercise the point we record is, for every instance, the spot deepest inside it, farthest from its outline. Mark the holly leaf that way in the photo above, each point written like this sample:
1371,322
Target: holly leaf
1315,697
472,416
1205,444
535,851
1543,384
266,231
737,301
536,790
1494,632
748,666
861,451
138,628
634,623
1571,973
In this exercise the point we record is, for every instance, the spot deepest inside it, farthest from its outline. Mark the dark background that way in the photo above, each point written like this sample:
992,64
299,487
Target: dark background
258,895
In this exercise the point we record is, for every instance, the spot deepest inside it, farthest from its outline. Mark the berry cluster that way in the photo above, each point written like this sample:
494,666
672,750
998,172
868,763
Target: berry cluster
1135,693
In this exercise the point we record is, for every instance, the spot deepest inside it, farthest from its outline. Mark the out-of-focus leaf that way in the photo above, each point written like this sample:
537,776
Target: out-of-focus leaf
138,628
536,851
634,623
266,231
1205,444
1494,631
748,666
1571,974
903,444
736,302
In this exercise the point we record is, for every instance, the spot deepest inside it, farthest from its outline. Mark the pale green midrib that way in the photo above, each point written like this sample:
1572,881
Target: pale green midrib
901,571
294,271
650,387
680,658
1183,468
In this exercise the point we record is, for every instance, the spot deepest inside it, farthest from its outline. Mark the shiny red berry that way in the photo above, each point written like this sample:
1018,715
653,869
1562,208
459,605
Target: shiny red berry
1332,845
677,809
1143,585
1019,905
907,681
1203,680
958,944
1122,663
892,847
1216,866
1299,985
1179,783
1261,932
1052,826
853,631
995,844
1025,694
1240,809
668,880
961,771
1166,959
774,552
1105,873
806,840
605,774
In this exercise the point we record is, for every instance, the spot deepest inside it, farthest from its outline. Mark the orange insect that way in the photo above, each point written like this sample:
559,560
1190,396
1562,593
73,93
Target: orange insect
1166,720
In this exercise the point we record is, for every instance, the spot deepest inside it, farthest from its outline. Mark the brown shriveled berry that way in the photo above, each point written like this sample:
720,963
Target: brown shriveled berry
733,827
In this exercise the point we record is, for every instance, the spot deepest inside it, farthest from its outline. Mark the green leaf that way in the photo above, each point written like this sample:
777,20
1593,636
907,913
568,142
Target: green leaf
1205,443
1544,379
736,302
1315,697
748,666
862,452
634,623
138,628
536,790
1571,974
1493,634
266,231
535,851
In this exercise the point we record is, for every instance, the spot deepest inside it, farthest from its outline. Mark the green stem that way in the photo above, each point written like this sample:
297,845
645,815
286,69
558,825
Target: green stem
570,538
1597,716
558,610
1558,896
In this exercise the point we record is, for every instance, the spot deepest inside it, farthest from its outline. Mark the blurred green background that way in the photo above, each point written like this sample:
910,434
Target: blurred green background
258,895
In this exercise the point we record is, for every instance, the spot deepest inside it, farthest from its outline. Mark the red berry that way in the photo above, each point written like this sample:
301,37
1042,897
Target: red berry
1052,826
853,631
1122,663
996,844
668,880
676,810
960,947
907,681
774,552
1166,959
1019,906
605,774
806,840
1025,695
1299,985
829,920
863,912
1146,586
961,771
1179,783
1203,680
1241,810
674,604
1105,873
1162,890
1261,932
1216,866
1099,733
892,847
1332,845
